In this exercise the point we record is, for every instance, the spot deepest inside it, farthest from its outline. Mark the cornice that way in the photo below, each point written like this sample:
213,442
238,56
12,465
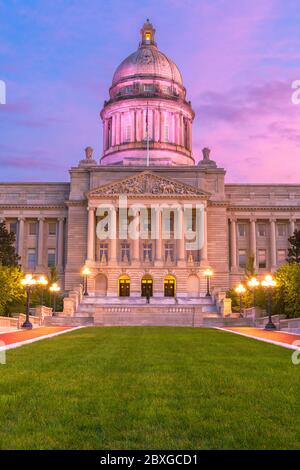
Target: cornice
32,206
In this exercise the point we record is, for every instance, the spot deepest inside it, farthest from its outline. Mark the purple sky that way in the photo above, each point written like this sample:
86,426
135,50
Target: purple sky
238,59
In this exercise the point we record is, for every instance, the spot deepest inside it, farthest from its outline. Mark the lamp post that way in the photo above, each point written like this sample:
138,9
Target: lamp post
85,273
43,282
28,282
253,283
208,273
240,290
269,283
54,288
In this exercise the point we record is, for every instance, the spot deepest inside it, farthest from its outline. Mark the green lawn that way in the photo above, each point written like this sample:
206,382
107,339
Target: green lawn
149,388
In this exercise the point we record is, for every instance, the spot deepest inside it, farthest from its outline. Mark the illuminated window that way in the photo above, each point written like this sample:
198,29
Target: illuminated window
281,256
148,38
262,259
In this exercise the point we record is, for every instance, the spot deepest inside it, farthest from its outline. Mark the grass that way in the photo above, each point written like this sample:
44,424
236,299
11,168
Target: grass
149,388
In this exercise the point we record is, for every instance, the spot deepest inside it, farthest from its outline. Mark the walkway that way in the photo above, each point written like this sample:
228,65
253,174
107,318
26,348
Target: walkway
280,338
14,339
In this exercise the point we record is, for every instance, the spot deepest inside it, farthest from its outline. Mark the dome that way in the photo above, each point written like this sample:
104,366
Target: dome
147,61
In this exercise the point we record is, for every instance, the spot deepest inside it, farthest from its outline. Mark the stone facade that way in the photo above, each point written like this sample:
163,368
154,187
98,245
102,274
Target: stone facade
55,223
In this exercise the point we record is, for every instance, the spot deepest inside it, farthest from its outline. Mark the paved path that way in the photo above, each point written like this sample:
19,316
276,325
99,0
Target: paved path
14,339
280,338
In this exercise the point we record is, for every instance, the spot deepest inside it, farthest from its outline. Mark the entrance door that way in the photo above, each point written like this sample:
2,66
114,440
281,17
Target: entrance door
124,287
169,286
147,286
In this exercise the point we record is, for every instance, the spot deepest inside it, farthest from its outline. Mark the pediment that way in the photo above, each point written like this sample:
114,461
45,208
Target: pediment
147,183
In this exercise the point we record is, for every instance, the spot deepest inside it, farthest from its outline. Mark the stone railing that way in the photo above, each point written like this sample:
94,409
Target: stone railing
42,311
276,319
223,304
9,322
35,321
72,302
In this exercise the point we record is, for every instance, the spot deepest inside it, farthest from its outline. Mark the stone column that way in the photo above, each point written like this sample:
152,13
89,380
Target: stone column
104,134
233,245
181,240
273,244
204,254
60,243
118,128
181,131
156,125
21,238
158,237
113,239
253,239
40,242
113,130
136,241
91,234
292,227
162,126
190,134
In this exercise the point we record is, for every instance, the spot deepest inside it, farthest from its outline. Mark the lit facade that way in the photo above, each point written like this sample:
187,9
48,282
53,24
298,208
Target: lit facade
148,157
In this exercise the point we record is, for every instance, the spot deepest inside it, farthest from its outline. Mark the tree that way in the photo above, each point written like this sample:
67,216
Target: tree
250,268
294,249
8,255
11,291
287,294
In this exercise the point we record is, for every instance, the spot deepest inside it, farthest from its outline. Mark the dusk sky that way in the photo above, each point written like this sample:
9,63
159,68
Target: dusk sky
238,59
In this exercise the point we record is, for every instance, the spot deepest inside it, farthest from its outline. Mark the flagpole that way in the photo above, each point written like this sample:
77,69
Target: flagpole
147,137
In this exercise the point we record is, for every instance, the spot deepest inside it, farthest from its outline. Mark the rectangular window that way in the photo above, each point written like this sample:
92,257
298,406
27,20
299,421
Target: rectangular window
281,230
103,253
13,227
261,230
148,88
51,257
52,228
262,259
281,256
32,228
31,258
147,252
125,251
169,252
242,258
242,230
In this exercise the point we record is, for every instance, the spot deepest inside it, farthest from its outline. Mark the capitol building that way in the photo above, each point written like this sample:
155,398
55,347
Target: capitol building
147,177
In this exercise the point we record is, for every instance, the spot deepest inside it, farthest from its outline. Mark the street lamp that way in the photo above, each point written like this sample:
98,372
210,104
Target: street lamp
43,282
85,272
240,290
269,283
208,273
253,283
54,288
28,282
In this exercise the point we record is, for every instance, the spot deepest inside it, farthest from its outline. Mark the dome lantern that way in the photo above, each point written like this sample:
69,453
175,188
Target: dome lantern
148,34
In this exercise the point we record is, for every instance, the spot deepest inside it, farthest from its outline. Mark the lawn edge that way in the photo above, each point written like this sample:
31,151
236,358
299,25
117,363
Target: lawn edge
39,338
265,340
